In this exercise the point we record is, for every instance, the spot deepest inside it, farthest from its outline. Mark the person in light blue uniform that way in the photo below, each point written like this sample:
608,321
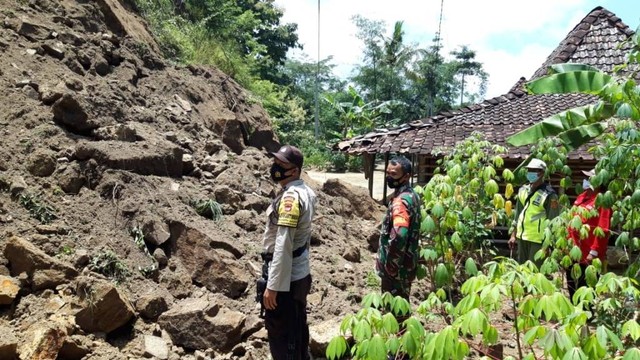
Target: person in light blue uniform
286,243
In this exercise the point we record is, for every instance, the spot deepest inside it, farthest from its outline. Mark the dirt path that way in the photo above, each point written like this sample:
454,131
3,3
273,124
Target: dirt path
354,179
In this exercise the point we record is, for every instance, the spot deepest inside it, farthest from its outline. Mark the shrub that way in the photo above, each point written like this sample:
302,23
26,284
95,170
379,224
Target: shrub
108,264
208,208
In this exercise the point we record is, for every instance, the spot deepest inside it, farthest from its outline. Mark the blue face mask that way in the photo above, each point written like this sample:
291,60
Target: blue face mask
532,176
586,184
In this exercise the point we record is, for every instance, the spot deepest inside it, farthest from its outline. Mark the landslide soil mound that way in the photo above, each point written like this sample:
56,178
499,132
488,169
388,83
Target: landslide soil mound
106,147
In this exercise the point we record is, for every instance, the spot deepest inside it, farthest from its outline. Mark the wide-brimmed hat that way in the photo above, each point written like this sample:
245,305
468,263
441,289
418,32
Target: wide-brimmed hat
589,173
537,164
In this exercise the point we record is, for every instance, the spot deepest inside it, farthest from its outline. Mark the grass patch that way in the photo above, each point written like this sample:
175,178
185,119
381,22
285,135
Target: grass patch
373,280
38,208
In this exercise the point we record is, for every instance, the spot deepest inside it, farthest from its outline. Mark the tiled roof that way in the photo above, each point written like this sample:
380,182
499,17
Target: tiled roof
594,41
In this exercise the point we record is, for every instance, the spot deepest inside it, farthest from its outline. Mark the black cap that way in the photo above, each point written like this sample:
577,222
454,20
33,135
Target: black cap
290,154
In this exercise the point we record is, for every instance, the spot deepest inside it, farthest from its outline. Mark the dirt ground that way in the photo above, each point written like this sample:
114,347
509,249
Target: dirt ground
353,178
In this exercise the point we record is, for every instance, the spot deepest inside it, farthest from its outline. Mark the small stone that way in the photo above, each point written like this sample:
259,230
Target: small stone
54,50
31,52
171,136
31,93
160,257
175,186
18,185
82,258
102,67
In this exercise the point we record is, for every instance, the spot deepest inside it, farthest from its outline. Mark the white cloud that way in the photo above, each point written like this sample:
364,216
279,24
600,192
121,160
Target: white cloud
511,38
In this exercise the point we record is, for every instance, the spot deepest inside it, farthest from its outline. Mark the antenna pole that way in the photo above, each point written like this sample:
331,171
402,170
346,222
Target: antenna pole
317,120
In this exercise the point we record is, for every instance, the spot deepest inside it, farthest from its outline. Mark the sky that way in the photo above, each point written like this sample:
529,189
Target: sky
511,38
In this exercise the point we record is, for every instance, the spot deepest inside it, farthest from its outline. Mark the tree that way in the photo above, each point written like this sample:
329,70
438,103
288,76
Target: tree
465,65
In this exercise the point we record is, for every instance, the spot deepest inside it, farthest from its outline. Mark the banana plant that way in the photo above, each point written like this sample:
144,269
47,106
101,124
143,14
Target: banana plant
619,96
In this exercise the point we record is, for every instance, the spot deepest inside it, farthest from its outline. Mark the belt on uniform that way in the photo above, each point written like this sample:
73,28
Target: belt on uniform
299,251
267,257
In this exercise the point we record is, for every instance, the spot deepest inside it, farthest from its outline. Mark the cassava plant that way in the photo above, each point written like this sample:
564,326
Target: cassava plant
462,204
545,323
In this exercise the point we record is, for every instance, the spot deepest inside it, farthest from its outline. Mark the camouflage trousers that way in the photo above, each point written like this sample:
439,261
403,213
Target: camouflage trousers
397,287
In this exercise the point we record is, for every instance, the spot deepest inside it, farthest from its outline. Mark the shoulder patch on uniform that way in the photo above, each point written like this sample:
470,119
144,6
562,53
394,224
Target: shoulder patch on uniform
289,209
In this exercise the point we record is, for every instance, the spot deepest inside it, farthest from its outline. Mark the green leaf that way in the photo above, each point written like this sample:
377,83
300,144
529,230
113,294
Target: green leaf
377,349
490,335
467,303
491,187
400,306
362,330
470,267
580,135
390,323
438,210
591,276
474,322
507,175
632,354
586,81
336,348
534,333
442,276
615,340
575,253
428,225
560,123
569,67
372,299
632,329
575,353
393,344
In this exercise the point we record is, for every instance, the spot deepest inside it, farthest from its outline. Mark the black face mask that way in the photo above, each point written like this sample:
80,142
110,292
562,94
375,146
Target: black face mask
393,183
277,172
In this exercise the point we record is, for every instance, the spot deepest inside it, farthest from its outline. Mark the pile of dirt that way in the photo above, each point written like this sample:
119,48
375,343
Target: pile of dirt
106,147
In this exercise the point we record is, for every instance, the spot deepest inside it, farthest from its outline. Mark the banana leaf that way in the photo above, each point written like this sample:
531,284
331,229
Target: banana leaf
560,123
568,67
580,135
586,82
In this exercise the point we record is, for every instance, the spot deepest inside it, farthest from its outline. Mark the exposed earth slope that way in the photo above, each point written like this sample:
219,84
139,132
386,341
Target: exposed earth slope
105,149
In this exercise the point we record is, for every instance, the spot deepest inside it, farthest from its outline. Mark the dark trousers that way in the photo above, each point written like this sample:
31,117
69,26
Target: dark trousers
287,325
527,251
395,287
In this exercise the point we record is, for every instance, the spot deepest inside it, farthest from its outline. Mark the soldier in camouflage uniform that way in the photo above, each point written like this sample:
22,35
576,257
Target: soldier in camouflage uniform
398,251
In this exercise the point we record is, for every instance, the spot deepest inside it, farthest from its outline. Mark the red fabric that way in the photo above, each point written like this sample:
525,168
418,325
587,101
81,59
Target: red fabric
587,200
400,213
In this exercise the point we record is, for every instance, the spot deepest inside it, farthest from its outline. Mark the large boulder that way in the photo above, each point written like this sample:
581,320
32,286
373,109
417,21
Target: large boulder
44,271
200,324
43,340
321,334
161,158
104,308
210,261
